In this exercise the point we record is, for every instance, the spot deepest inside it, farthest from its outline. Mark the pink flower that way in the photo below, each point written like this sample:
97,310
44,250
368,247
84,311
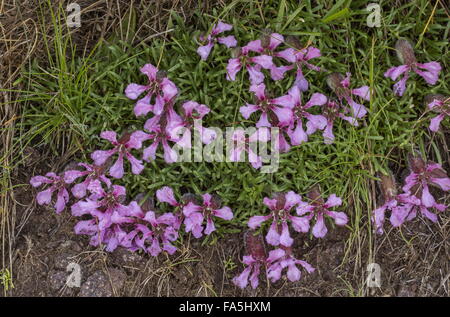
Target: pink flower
318,209
244,144
57,184
272,112
429,71
159,86
105,206
255,259
341,87
282,258
191,119
299,57
228,41
422,175
300,112
389,191
331,111
280,213
123,147
441,105
195,214
91,173
252,64
160,135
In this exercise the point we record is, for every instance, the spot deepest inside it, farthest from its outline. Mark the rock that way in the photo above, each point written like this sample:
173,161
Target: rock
405,290
99,284
57,279
124,257
62,260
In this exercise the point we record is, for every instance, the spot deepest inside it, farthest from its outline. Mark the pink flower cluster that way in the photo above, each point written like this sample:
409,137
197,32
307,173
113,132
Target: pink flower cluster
288,112
108,220
416,195
281,217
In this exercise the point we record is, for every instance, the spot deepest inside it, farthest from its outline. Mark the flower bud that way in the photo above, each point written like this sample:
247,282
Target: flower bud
405,52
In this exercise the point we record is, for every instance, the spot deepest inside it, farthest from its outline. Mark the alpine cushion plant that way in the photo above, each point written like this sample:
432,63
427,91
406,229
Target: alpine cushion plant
441,105
405,53
212,38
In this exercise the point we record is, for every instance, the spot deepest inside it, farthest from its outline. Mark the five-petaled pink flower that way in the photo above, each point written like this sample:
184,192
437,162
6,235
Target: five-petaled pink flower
195,214
299,57
123,147
272,111
429,71
280,213
91,172
300,111
318,208
282,258
57,184
211,39
253,65
159,86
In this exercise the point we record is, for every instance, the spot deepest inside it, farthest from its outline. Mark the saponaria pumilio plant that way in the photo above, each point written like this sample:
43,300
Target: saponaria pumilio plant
108,219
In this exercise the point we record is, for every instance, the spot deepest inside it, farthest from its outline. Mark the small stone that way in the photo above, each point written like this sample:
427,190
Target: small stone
62,260
57,279
99,284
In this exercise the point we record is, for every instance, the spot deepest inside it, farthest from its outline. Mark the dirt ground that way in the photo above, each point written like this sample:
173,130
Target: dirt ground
414,261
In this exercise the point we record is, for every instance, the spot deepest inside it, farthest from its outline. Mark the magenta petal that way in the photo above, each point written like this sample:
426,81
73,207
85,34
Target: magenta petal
61,200
143,107
133,91
284,115
116,170
44,197
287,54
209,226
136,139
253,46
285,238
166,195
275,40
427,198
169,89
298,136
71,176
263,121
363,92
255,74
256,221
241,281
394,72
443,183
315,122
340,218
300,224
150,71
328,134
136,165
154,248
319,230
277,73
431,75
400,86
247,110
37,181
228,41
99,157
273,237
333,201
205,50
424,211
317,99
224,213
285,101
435,122
150,152
79,190
265,61
221,27
293,273
233,67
